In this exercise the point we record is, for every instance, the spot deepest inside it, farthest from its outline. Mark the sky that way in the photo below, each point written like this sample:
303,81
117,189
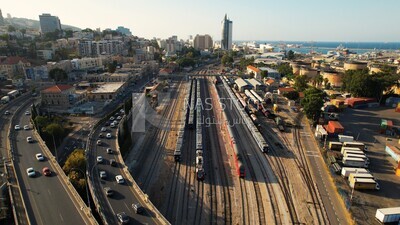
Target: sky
278,20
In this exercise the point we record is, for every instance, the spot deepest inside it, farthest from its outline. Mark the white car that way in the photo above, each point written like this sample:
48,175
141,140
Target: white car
27,113
103,129
112,125
119,179
103,174
112,118
29,139
98,142
7,112
109,151
31,172
39,157
26,127
17,127
108,135
99,159
115,122
119,118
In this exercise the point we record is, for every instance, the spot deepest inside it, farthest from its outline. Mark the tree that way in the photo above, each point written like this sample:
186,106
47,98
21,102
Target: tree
69,33
58,74
55,130
111,67
290,55
292,95
11,28
285,69
226,60
312,103
76,159
300,83
41,122
264,73
361,84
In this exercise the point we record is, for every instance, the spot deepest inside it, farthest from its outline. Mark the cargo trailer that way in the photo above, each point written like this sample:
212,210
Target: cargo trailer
359,145
364,184
335,146
364,157
345,138
346,171
357,152
5,99
353,176
388,215
393,151
354,162
344,149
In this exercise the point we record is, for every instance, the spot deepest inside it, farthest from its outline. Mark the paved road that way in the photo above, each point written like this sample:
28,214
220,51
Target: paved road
46,198
333,205
4,125
124,195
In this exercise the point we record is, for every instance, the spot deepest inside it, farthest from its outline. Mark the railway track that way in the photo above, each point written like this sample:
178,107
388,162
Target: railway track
167,114
302,163
215,159
245,202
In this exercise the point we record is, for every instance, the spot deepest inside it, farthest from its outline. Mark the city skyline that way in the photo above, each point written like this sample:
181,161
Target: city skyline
355,21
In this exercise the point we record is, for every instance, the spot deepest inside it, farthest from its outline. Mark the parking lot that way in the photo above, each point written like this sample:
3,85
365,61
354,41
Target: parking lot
364,125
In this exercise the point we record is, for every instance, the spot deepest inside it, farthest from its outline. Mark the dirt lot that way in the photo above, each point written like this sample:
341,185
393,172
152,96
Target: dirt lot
364,124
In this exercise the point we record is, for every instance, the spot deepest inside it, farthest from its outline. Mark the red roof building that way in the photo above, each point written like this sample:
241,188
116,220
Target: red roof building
13,65
57,88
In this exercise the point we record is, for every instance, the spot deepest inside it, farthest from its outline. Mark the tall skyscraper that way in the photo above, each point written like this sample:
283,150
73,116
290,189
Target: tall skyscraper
49,23
1,18
202,42
226,40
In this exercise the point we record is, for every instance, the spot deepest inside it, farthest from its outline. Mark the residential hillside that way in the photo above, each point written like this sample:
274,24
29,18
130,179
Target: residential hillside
34,24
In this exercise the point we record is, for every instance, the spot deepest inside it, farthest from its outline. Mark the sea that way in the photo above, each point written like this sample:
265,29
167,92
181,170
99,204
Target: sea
324,47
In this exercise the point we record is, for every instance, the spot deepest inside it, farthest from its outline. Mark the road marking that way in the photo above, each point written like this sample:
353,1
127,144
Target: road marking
61,217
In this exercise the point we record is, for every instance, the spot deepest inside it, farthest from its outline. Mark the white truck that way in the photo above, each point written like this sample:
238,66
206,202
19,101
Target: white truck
364,184
345,138
346,171
354,162
388,215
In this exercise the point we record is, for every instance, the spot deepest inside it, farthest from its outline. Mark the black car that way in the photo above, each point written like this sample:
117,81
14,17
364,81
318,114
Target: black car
138,208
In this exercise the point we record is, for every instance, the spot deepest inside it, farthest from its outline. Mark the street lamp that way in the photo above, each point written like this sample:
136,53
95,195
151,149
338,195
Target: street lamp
86,185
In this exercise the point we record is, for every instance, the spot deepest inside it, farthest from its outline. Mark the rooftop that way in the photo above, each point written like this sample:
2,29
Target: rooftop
255,69
57,88
13,60
107,87
241,83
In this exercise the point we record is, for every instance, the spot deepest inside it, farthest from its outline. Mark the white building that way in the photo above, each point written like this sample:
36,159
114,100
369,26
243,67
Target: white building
86,63
103,47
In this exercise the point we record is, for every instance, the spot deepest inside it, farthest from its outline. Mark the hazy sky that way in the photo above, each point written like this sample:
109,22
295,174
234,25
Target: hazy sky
279,20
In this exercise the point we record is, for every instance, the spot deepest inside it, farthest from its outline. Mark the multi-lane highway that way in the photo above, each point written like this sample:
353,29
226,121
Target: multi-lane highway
124,194
5,120
46,197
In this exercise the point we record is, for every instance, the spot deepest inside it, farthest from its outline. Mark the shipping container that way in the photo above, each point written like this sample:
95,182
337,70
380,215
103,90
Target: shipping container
335,146
353,176
393,151
358,145
335,127
344,149
388,215
354,162
364,184
345,138
359,102
346,171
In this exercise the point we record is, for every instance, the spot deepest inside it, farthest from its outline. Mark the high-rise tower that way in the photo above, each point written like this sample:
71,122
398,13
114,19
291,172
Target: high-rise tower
49,23
226,39
1,18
